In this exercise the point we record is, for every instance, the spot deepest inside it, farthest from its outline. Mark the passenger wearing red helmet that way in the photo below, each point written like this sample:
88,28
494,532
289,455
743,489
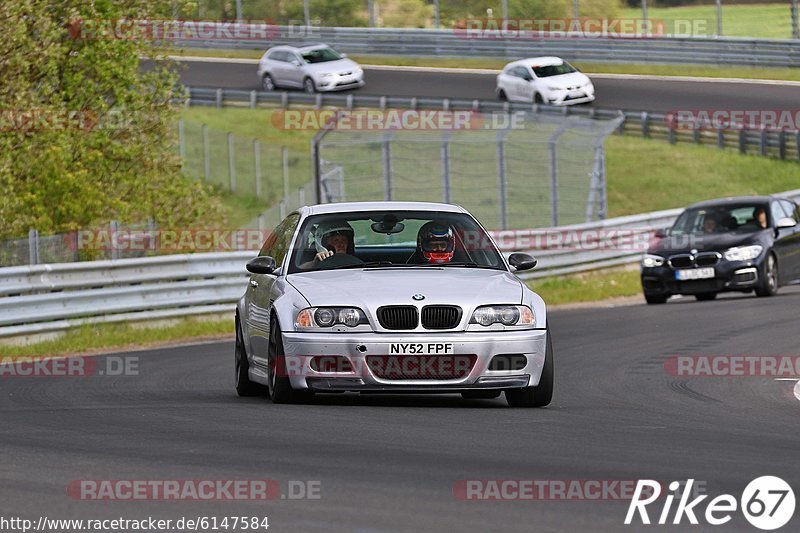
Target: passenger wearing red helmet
435,242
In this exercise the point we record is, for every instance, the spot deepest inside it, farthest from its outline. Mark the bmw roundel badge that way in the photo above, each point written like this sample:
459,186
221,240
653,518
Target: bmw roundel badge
418,297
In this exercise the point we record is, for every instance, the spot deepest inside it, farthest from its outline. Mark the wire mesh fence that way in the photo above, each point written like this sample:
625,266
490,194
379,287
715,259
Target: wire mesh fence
543,171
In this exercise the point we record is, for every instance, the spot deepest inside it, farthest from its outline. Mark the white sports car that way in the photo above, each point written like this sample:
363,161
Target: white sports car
390,297
544,80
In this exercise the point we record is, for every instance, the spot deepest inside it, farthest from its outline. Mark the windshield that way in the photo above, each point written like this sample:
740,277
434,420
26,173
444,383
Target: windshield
321,55
553,70
388,239
721,219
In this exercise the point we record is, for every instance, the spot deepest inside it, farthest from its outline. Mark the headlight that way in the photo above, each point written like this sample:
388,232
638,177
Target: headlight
551,88
743,253
507,315
327,75
651,261
327,317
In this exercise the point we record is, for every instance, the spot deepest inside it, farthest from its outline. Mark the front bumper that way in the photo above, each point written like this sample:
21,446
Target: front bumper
338,83
300,348
570,97
728,276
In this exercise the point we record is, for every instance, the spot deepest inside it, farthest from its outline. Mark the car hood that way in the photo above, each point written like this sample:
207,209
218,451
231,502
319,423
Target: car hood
340,65
573,79
373,288
718,242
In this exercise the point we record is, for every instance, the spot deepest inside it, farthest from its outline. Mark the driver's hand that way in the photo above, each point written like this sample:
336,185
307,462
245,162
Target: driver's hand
322,256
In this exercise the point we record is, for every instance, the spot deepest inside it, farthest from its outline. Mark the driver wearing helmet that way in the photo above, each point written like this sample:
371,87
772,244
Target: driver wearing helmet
435,243
331,238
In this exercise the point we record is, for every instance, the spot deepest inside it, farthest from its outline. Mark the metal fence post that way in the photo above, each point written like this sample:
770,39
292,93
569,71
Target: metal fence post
181,140
551,148
671,135
301,195
720,138
257,163
206,154
645,124
501,176
742,140
719,18
387,167
33,246
218,99
252,99
114,225
795,29
283,209
762,141
445,158
782,144
231,163
285,156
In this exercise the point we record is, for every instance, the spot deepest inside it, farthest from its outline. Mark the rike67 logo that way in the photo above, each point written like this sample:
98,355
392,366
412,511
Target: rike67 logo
767,503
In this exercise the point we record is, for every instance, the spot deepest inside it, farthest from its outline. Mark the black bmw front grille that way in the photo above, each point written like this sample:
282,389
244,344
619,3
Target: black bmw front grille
681,261
440,316
706,259
398,317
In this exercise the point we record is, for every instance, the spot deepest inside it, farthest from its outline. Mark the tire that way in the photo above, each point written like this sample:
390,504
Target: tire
280,389
540,395
308,86
654,299
768,284
501,95
537,99
244,387
267,83
705,296
481,394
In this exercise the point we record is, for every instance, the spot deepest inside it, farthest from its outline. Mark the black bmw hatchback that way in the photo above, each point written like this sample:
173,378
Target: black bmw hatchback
735,244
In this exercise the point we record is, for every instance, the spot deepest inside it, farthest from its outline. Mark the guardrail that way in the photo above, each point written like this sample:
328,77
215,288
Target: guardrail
460,43
783,144
50,298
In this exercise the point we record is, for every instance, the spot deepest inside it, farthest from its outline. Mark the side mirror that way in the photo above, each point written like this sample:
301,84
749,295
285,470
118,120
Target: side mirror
296,62
786,222
521,261
261,265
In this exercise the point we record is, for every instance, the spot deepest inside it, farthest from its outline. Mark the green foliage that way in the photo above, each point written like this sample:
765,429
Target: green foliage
104,144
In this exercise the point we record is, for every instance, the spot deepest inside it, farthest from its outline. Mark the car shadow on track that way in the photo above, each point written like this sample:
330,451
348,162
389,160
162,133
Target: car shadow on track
447,401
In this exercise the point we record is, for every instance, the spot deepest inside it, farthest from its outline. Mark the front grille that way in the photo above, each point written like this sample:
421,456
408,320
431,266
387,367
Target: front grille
398,317
408,367
345,73
440,316
681,261
707,259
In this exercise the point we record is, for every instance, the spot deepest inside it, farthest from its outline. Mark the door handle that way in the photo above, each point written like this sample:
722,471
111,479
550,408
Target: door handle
253,283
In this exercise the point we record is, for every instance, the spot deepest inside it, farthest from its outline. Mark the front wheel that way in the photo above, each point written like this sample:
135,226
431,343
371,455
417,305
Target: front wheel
267,83
768,284
540,395
244,387
308,86
705,296
280,389
654,299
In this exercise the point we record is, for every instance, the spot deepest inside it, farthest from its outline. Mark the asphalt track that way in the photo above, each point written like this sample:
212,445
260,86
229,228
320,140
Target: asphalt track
389,463
633,94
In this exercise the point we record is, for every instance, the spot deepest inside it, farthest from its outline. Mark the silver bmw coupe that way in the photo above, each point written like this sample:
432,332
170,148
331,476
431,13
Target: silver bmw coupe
396,297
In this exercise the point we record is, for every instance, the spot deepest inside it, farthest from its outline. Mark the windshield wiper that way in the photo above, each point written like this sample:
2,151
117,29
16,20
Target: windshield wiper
369,264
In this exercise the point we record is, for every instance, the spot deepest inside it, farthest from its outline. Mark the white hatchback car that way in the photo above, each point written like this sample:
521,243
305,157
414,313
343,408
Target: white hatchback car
544,80
313,67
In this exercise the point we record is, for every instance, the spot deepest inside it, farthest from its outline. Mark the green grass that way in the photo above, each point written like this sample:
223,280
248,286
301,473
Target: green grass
120,337
649,174
771,21
703,71
588,287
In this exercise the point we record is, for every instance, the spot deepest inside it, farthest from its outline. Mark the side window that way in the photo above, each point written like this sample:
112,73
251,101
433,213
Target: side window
524,73
776,213
283,238
278,55
274,243
788,209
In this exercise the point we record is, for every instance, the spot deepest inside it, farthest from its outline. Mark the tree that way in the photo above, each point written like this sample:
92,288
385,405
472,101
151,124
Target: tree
86,135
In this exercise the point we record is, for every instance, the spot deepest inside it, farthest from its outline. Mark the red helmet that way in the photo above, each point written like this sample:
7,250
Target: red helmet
436,242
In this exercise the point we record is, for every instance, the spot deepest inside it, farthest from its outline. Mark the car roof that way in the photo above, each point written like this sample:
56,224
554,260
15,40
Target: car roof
353,207
300,46
733,200
543,61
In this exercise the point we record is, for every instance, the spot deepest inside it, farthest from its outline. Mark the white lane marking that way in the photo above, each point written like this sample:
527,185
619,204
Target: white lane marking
785,379
599,75
797,390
